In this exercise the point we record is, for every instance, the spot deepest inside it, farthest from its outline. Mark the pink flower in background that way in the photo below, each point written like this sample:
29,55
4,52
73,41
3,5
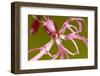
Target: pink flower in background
35,25
57,36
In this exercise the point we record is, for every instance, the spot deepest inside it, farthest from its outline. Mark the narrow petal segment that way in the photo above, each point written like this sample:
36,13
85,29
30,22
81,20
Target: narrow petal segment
43,50
65,49
67,24
49,26
76,36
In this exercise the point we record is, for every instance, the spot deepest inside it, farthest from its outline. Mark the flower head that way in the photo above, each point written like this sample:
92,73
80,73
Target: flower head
57,36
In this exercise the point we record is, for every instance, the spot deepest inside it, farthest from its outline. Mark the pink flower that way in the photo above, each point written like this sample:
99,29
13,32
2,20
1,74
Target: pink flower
57,36
35,25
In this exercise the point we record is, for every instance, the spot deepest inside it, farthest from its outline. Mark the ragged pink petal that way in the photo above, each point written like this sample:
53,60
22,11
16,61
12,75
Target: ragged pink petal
61,52
60,49
76,36
85,40
39,55
43,50
63,28
49,25
65,49
73,35
79,21
67,24
80,25
48,45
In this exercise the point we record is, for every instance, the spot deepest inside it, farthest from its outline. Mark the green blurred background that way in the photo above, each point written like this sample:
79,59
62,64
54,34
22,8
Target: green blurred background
41,37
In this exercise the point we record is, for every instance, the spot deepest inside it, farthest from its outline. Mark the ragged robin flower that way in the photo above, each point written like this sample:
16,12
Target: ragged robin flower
57,36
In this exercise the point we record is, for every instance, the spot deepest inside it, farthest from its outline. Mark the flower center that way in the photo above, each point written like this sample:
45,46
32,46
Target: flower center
55,35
